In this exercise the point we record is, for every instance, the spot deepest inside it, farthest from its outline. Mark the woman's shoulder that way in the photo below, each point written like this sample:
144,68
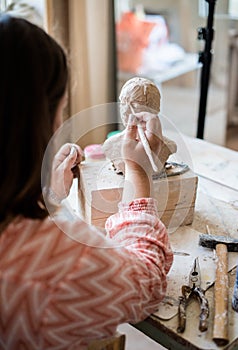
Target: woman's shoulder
26,229
41,232
40,243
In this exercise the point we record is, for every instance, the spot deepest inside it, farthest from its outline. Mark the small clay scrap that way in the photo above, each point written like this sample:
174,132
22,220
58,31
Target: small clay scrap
137,95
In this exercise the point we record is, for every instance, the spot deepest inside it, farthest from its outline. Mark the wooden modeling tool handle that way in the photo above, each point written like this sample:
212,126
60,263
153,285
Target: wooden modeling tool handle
220,328
146,146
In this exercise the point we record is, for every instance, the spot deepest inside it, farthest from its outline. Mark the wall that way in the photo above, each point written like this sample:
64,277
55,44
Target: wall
183,19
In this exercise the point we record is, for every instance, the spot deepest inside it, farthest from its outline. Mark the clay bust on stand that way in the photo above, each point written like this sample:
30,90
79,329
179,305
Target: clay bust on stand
138,95
174,184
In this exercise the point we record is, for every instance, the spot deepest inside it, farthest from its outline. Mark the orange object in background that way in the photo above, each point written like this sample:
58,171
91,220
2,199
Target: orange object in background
132,38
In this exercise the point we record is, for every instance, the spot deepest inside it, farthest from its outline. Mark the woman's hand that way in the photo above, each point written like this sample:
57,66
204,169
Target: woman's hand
138,169
133,150
65,160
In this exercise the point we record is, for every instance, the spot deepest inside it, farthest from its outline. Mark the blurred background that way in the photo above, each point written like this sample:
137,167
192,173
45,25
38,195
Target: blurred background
167,52
108,42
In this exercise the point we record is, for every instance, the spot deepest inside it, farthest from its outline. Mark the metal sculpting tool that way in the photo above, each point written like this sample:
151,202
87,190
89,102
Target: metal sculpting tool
188,292
235,293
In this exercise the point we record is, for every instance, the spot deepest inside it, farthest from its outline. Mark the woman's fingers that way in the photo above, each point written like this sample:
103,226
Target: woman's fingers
62,175
69,153
143,117
131,128
71,160
151,126
64,168
154,124
153,131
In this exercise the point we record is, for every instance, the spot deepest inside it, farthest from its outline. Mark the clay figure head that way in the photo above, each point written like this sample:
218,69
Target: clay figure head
137,95
141,94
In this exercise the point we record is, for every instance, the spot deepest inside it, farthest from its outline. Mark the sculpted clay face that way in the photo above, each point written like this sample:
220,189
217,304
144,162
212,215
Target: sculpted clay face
138,95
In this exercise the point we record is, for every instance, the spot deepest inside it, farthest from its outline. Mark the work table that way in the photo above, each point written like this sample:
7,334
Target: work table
216,206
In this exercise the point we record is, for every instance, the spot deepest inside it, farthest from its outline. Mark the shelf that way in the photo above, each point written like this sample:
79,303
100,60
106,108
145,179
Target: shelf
188,64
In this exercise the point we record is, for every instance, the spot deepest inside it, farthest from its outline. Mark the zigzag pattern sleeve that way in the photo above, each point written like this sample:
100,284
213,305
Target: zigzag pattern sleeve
59,291
123,281
137,225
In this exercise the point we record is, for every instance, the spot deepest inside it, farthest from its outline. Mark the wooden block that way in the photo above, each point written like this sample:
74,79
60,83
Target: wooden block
176,199
101,191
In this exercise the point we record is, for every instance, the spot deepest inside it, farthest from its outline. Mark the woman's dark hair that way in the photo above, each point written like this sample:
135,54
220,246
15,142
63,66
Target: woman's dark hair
33,79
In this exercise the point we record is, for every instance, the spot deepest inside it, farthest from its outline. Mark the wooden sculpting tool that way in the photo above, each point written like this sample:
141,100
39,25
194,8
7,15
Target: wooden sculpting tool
222,244
145,142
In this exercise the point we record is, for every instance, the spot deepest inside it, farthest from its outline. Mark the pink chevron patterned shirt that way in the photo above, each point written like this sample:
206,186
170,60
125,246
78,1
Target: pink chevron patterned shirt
64,283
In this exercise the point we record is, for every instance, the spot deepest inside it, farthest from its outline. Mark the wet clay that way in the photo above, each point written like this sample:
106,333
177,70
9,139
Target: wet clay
138,95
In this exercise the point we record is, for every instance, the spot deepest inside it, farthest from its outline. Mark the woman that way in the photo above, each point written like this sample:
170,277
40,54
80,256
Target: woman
56,292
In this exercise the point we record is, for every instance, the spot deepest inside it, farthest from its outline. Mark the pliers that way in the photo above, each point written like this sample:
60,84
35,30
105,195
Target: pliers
188,292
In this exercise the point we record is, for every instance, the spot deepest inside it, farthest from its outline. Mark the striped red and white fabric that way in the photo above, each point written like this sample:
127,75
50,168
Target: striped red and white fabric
59,291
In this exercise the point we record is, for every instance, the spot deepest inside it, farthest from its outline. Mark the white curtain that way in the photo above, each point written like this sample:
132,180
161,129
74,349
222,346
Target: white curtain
85,29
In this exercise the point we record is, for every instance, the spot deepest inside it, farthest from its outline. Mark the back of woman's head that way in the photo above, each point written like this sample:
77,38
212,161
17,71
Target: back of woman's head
33,81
